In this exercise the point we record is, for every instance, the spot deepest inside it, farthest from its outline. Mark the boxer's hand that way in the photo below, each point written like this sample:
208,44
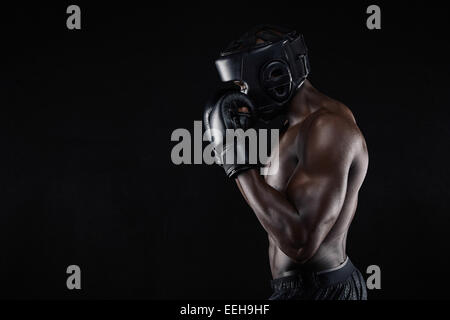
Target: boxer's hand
229,109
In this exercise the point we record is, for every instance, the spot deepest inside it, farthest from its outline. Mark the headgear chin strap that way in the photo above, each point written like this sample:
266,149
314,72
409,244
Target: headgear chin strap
271,71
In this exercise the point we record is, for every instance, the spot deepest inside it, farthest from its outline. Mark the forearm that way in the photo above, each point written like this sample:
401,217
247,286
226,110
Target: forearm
276,214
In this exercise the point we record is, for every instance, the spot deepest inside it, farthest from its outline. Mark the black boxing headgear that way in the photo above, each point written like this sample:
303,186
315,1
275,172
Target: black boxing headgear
270,71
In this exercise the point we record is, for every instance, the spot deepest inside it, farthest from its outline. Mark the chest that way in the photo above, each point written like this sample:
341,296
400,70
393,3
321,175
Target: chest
282,164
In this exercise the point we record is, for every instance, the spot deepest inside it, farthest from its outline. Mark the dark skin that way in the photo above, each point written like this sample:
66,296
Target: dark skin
307,206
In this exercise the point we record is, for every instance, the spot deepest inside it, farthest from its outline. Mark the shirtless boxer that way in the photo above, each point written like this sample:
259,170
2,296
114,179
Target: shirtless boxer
307,204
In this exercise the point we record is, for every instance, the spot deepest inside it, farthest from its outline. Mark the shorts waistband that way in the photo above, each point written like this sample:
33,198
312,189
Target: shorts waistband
322,278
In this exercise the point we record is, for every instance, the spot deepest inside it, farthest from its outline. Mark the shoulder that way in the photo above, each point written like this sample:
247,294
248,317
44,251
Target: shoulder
326,123
331,132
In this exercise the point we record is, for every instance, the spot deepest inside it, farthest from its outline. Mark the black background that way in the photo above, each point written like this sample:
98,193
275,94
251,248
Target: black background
86,176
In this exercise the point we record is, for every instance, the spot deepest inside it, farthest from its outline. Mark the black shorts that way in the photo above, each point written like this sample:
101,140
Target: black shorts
341,283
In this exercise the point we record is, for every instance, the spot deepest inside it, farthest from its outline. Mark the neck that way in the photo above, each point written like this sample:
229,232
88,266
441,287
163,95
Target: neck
300,106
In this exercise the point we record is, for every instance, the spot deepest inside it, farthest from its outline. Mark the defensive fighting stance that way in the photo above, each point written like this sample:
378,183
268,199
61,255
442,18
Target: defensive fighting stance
307,205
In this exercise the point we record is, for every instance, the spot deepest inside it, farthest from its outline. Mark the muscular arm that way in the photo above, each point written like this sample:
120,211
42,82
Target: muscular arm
299,219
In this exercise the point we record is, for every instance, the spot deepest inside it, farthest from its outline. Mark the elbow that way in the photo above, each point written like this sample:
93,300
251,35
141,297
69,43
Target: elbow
303,248
298,246
304,253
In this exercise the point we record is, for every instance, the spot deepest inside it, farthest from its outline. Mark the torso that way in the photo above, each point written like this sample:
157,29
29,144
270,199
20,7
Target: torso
332,251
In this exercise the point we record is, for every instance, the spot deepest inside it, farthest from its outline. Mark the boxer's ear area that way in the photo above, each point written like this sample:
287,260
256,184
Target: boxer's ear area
244,110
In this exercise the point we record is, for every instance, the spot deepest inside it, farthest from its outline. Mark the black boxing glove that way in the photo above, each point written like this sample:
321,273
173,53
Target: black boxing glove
222,113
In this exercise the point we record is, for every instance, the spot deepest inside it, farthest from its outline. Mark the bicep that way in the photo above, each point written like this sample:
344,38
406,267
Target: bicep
318,199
